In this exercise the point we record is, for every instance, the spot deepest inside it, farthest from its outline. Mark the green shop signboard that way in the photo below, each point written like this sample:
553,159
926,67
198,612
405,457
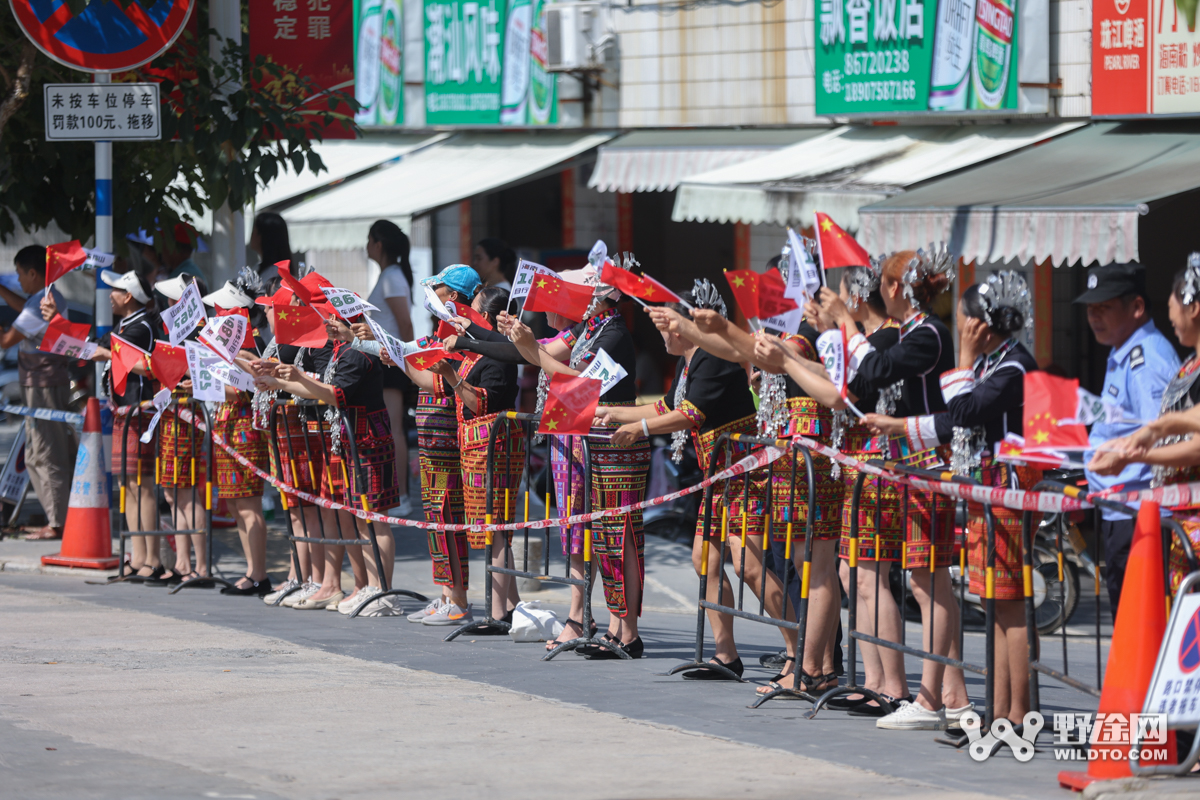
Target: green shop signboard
379,62
904,56
485,64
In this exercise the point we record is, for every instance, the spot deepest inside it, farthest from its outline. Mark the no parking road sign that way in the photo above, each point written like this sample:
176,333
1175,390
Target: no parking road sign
102,111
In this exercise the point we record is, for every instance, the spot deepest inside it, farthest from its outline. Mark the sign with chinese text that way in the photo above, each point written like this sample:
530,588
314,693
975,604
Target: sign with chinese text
1175,687
1145,58
379,62
102,111
906,56
463,46
314,38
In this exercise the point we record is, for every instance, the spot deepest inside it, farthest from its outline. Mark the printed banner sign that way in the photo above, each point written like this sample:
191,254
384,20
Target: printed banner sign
203,364
379,62
224,335
161,400
903,56
185,316
523,279
107,111
605,370
1145,58
346,303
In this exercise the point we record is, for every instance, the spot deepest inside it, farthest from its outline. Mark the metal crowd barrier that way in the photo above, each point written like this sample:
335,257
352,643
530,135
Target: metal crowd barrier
490,623
710,539
194,435
986,669
349,451
1172,530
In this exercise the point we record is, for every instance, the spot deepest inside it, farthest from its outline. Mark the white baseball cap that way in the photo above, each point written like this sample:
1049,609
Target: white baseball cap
228,296
126,281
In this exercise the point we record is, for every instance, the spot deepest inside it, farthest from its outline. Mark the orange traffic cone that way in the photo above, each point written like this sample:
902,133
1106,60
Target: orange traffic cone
87,536
1137,636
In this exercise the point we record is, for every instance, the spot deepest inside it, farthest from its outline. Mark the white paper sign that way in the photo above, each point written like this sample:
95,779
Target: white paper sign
523,280
98,259
605,370
346,303
598,254
201,363
185,316
434,304
232,375
832,352
396,349
71,347
161,401
804,277
225,335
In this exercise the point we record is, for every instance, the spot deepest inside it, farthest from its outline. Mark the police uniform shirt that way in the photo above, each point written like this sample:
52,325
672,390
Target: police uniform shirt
1138,371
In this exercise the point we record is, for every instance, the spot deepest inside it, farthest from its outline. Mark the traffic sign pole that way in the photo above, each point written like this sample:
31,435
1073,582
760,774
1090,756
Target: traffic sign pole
104,234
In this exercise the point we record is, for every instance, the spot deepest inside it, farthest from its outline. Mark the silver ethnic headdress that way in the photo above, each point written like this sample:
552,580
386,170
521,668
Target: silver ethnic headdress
705,295
1191,280
934,260
861,281
249,283
602,291
1006,289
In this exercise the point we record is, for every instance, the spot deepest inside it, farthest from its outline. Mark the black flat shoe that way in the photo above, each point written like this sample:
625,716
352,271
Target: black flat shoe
164,579
155,574
845,704
735,666
592,649
875,712
634,650
255,589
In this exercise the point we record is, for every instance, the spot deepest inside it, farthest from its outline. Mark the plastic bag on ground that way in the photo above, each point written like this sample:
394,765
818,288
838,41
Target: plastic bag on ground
532,623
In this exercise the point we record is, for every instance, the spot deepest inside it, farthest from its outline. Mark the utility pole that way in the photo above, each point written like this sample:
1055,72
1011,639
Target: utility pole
228,241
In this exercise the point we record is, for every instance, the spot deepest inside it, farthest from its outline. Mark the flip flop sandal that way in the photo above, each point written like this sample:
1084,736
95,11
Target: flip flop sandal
705,674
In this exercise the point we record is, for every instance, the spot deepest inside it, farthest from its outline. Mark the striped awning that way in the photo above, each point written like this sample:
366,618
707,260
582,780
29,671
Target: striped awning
1076,199
658,161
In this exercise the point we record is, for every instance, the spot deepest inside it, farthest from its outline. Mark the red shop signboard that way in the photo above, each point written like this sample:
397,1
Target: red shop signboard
314,38
1145,58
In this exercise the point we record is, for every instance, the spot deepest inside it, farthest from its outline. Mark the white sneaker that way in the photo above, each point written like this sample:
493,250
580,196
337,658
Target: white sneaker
383,607
403,509
954,715
450,614
913,717
361,596
306,590
427,611
280,591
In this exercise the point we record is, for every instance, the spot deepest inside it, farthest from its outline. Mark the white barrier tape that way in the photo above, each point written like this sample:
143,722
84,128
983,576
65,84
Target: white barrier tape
53,415
1179,495
751,462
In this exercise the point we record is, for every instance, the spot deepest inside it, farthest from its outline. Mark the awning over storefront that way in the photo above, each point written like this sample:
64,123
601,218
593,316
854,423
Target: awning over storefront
845,168
1077,198
462,166
657,161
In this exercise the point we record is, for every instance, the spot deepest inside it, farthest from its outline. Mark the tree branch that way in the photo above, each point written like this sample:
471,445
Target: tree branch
20,88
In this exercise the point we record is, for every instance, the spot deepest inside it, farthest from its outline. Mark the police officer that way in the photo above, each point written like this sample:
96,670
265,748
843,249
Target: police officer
1140,365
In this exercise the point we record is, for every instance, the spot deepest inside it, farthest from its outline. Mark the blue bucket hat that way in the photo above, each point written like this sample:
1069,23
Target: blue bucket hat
459,277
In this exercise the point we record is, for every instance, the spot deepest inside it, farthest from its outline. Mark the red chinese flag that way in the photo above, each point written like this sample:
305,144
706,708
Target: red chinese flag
125,357
168,363
59,327
300,326
248,339
1049,399
293,283
555,295
771,302
570,404
424,359
744,283
445,329
62,258
838,248
641,286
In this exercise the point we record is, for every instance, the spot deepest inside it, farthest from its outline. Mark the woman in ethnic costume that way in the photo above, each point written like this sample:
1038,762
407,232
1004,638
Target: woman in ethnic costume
182,469
879,540
1174,455
984,400
909,282
238,486
619,474
482,388
711,397
786,409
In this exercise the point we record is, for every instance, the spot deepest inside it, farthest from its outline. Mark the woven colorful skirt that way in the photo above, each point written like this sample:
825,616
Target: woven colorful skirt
806,417
917,509
140,461
235,423
1009,570
731,498
371,483
619,478
1177,564
508,463
888,537
302,454
181,462
441,483
566,469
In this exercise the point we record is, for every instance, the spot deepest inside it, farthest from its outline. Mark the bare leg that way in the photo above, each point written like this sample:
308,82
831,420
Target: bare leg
942,640
504,587
872,668
252,530
824,606
358,567
457,589
1012,661
393,399
725,649
387,552
331,582
141,514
